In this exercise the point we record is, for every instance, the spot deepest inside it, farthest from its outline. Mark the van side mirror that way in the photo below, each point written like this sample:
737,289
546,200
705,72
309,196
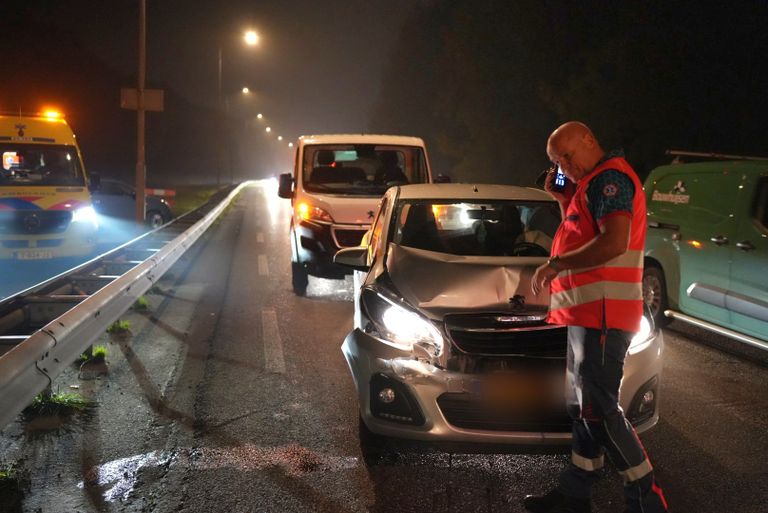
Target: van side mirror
356,258
442,179
94,181
285,185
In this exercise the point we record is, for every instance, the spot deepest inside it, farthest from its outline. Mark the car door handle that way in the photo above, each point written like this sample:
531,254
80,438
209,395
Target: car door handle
745,245
719,240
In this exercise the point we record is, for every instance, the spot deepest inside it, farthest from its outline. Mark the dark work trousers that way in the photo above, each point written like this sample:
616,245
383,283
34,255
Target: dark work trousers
595,369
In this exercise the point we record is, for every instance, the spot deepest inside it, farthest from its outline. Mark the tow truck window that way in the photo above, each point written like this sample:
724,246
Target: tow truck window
27,164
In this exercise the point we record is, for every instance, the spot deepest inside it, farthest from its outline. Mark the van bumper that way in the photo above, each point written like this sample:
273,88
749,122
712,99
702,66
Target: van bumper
316,242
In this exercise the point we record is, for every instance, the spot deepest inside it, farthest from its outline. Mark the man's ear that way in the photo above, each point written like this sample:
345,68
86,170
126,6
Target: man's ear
589,140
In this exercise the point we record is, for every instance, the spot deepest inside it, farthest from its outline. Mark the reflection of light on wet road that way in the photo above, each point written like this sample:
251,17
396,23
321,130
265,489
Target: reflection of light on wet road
278,209
121,475
340,290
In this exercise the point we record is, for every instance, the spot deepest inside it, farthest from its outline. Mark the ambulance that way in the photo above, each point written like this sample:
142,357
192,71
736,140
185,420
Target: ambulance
45,205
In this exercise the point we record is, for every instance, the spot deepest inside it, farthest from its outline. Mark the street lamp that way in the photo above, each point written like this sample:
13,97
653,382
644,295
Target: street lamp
269,129
246,90
279,137
251,38
259,116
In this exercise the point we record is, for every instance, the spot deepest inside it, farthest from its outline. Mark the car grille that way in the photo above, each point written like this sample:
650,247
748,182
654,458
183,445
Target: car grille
24,222
487,335
348,238
463,410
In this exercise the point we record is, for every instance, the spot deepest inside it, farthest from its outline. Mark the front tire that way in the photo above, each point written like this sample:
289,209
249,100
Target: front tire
655,294
374,448
299,279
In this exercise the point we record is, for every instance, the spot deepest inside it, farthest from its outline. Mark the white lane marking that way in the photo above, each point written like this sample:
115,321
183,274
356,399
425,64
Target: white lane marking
263,266
260,238
273,346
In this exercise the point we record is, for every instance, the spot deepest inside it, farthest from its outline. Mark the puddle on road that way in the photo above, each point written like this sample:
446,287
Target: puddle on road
119,477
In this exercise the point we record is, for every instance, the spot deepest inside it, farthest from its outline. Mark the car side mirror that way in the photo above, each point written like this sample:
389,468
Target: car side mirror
94,181
356,258
285,185
442,179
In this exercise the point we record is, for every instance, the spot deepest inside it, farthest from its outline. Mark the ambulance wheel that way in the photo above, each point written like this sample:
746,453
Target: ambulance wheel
299,279
655,294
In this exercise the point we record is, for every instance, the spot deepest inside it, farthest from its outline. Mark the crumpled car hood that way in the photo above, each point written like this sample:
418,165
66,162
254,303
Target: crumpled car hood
439,283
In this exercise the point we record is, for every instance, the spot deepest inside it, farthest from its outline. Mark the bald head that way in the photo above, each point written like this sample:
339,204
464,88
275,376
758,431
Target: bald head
575,149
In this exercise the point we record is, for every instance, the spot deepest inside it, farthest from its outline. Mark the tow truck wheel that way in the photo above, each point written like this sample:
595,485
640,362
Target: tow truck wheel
655,294
299,279
155,219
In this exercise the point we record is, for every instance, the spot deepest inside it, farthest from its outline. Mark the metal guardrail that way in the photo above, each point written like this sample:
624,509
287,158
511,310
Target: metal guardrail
32,365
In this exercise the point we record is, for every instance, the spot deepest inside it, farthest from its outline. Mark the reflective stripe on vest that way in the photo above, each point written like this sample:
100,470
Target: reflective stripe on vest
584,296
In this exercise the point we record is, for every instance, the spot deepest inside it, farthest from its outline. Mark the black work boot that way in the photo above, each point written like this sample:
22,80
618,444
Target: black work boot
556,502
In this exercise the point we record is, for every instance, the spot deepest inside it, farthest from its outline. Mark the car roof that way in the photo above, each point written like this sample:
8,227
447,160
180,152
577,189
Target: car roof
464,191
402,140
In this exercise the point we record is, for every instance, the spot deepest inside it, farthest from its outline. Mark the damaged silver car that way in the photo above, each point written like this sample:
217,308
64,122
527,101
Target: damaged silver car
449,343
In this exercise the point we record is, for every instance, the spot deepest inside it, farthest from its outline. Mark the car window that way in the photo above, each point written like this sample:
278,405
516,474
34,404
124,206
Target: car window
760,204
111,188
476,227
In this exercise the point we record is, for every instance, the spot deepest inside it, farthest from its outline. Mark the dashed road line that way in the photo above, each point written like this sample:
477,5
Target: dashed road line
273,346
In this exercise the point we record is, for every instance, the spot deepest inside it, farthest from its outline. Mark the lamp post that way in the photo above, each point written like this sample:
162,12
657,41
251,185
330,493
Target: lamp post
251,38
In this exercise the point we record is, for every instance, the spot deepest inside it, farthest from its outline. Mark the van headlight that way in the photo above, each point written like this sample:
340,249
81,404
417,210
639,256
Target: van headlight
643,337
85,215
400,326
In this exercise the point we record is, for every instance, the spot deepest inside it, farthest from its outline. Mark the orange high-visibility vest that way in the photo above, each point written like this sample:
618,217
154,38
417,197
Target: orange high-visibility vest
608,295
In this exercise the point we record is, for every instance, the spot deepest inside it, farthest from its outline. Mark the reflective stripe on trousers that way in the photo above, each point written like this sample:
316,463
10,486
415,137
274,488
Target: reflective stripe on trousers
594,373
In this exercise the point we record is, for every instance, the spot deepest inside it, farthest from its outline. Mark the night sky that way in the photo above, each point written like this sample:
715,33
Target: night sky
483,82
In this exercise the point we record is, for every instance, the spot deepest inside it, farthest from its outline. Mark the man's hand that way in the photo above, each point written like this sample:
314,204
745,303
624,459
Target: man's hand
542,277
562,197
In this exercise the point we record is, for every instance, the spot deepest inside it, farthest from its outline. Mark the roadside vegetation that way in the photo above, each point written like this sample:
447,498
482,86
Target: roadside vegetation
141,304
119,327
190,197
57,405
97,354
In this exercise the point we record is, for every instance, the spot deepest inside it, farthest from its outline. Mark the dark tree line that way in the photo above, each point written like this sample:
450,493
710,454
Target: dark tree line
485,82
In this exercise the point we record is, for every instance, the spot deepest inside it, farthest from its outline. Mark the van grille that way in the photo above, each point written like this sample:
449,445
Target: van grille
26,222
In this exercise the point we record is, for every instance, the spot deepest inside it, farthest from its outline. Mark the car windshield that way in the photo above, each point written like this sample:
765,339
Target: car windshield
361,169
36,164
476,227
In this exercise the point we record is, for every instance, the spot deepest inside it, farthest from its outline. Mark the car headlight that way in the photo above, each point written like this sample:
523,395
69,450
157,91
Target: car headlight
85,215
643,337
400,326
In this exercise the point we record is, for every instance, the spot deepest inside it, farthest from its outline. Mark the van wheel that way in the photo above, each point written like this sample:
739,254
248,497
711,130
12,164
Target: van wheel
299,279
655,294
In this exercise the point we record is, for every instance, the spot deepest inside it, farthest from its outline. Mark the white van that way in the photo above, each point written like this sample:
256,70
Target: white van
336,186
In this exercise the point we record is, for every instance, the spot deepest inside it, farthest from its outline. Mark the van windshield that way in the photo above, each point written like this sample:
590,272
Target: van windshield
37,164
361,169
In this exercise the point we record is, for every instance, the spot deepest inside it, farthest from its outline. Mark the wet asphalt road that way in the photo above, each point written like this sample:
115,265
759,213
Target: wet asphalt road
231,395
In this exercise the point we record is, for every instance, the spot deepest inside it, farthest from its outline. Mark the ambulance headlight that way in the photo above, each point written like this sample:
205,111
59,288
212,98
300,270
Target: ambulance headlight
85,215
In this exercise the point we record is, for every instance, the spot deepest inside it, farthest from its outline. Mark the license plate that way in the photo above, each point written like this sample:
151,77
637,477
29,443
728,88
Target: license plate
34,254
521,391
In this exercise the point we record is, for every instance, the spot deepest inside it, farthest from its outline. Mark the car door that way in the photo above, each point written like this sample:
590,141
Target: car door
748,300
114,200
706,237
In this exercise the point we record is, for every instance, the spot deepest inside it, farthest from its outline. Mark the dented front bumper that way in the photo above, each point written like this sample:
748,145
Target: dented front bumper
424,398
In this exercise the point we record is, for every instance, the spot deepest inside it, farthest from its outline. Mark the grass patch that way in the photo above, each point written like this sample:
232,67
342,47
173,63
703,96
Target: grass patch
190,197
141,304
96,355
119,327
57,405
